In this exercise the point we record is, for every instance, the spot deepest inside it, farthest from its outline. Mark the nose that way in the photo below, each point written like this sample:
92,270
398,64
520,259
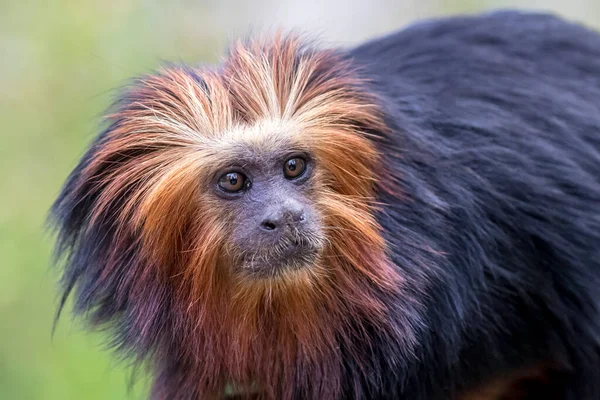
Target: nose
289,214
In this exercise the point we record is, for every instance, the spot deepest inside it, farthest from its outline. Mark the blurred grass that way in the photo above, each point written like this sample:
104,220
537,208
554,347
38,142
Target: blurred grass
60,62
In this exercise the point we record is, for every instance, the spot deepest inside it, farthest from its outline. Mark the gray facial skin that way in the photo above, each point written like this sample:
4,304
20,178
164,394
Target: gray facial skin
275,225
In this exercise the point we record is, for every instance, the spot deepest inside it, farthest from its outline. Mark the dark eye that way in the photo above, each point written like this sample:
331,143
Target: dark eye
294,167
233,182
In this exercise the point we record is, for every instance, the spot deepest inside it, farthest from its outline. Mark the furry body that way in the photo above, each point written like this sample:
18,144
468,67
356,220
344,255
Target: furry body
462,159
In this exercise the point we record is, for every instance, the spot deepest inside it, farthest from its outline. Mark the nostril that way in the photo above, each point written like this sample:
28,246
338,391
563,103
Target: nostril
268,225
296,218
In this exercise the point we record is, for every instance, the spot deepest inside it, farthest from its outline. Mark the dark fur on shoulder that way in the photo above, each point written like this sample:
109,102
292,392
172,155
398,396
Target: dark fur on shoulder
497,149
460,156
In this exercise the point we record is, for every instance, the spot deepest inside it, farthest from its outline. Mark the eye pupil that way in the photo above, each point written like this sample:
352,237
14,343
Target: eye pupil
233,182
294,167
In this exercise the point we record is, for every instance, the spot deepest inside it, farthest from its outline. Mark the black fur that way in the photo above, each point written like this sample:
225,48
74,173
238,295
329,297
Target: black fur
496,145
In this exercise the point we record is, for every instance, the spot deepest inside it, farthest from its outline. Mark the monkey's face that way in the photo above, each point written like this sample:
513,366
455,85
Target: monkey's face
268,200
231,174
224,220
236,176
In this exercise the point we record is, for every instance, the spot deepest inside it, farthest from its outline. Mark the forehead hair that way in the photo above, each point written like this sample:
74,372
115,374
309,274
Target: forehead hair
266,96
262,142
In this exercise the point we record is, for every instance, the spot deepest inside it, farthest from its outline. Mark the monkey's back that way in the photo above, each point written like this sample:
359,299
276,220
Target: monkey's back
503,77
495,145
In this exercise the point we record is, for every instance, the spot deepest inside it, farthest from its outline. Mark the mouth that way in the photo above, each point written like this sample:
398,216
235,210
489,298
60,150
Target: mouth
289,255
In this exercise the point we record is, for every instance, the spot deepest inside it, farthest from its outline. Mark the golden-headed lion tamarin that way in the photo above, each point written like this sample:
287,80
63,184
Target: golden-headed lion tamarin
417,217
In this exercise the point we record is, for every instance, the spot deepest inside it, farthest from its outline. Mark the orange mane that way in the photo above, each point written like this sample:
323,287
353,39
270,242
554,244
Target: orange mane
283,335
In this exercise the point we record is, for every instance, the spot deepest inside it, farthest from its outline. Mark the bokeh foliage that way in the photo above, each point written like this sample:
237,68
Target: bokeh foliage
59,65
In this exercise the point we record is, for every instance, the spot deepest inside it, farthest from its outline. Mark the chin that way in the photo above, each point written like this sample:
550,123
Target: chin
279,267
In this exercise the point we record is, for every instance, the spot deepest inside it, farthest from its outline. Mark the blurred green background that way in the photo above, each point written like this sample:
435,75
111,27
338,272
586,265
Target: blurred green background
60,64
